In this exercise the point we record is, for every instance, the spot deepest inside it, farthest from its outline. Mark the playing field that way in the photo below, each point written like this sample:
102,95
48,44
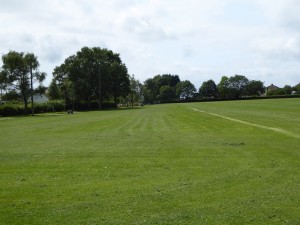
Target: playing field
196,163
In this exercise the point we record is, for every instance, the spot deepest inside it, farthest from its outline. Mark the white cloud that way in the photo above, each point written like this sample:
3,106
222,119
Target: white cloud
196,39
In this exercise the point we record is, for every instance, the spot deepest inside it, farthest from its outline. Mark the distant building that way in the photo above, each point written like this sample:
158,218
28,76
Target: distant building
272,87
37,98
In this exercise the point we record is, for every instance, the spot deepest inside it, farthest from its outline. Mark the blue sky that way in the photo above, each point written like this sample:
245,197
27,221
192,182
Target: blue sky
196,39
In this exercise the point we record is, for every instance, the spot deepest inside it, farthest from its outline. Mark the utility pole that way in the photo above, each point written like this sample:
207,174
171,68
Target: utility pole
99,85
31,83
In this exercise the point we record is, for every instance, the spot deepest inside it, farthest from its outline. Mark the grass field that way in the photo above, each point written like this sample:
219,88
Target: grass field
196,163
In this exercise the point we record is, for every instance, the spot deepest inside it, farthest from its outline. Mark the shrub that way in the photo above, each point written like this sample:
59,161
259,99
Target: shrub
12,110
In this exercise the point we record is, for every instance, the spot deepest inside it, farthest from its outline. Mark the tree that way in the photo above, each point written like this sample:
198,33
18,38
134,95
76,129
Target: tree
185,89
167,80
152,86
136,93
11,96
254,88
22,70
120,83
3,83
95,73
54,92
287,90
296,88
166,93
208,89
67,90
279,91
151,90
33,64
237,86
223,87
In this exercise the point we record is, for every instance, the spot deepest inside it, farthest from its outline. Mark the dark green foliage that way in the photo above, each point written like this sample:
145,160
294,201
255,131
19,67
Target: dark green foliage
12,110
94,74
120,83
223,87
54,92
167,93
287,89
11,96
278,92
254,88
22,70
237,86
208,89
18,109
185,89
296,89
3,82
136,91
152,88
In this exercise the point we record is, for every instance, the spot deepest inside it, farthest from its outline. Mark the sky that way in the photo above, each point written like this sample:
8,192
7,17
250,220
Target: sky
195,39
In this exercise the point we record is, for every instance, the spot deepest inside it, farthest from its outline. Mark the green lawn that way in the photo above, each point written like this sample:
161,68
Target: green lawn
160,164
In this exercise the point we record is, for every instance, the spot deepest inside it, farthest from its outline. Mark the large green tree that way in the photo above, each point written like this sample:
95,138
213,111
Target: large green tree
54,91
22,71
185,89
120,82
208,89
136,93
237,86
223,87
96,74
233,87
287,90
167,93
254,88
152,87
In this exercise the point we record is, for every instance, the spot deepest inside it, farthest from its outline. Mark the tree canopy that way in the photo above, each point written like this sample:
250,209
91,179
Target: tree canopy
21,71
208,89
185,89
154,91
96,74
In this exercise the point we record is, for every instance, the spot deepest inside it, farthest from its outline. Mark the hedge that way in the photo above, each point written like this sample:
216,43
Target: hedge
17,109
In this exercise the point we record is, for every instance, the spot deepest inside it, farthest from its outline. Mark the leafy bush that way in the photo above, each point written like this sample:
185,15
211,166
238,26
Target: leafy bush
12,110
18,109
51,106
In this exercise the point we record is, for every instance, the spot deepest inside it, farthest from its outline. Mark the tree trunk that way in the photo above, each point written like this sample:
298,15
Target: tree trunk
31,85
99,88
115,97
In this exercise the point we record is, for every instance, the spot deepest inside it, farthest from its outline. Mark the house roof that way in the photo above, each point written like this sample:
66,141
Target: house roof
272,87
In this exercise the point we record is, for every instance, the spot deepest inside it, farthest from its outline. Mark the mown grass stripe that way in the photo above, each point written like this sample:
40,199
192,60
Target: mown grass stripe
279,130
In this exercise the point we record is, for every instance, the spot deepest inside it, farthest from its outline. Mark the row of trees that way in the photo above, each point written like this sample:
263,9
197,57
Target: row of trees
233,87
92,75
167,87
19,72
164,88
96,76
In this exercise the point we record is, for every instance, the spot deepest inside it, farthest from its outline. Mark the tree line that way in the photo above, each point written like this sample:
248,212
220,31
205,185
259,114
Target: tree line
97,76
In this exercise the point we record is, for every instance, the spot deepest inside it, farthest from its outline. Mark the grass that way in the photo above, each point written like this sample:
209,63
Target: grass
161,164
